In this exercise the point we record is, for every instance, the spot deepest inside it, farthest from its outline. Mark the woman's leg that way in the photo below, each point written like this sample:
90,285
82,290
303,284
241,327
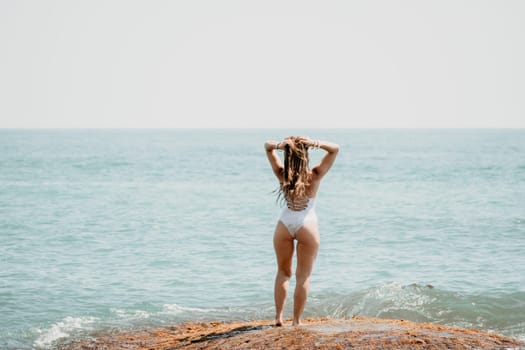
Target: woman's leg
307,246
284,247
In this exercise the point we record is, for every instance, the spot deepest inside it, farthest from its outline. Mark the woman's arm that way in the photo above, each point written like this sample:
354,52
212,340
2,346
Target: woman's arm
329,158
273,158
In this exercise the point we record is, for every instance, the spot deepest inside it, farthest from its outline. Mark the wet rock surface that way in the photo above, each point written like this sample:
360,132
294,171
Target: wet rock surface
318,333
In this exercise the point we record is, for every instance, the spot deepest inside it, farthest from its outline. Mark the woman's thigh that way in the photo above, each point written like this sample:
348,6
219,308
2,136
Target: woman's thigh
307,246
284,247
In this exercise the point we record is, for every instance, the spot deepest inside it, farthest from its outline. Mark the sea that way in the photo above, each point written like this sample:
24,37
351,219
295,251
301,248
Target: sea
123,229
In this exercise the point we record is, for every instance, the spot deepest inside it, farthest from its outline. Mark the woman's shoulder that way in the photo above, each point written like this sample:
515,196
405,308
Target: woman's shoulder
315,175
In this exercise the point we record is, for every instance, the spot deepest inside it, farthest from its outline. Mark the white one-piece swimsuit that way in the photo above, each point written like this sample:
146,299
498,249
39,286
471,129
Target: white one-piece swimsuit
295,219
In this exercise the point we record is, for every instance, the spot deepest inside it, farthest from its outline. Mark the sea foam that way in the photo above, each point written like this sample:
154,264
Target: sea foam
63,329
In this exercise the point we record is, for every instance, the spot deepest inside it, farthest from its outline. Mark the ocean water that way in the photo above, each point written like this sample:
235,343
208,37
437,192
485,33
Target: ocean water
124,229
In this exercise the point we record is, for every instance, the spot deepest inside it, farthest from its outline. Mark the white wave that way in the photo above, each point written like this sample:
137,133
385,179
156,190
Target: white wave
62,329
392,297
174,309
135,314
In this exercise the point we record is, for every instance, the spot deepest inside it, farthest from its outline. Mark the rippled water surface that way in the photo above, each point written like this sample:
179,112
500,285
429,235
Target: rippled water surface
137,228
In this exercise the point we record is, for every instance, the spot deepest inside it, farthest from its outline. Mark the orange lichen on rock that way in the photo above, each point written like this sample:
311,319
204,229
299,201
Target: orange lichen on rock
318,333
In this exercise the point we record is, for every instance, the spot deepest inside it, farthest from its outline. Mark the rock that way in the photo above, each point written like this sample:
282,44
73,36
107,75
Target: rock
318,333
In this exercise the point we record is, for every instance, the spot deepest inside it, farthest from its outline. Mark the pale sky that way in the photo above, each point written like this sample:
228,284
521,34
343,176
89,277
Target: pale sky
275,64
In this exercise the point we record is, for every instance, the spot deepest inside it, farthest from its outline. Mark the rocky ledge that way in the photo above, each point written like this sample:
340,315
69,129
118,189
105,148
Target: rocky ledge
318,333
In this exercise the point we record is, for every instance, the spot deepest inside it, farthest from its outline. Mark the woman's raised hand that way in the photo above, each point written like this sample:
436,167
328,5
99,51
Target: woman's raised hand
312,143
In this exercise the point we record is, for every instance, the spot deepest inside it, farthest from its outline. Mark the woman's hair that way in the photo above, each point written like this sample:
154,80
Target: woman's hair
296,175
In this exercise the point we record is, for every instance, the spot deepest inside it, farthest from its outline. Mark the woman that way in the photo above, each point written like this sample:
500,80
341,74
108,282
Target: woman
298,220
